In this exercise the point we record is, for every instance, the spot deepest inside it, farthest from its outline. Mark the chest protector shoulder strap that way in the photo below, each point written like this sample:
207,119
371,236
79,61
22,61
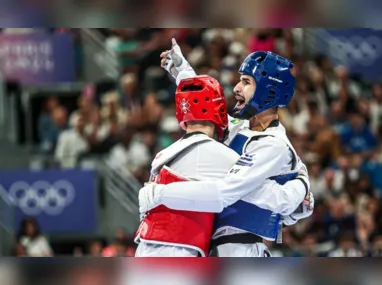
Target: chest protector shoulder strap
176,150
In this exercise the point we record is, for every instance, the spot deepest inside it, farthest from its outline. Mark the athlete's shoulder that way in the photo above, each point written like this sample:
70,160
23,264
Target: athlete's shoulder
183,144
267,143
220,149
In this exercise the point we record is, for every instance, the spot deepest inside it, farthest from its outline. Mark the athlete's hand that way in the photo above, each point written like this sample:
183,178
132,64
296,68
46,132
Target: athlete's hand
305,210
149,197
173,60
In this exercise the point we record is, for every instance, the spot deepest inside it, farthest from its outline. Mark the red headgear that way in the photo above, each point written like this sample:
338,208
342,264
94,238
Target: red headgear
201,98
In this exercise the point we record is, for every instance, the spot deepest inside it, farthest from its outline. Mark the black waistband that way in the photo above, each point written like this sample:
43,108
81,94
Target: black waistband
246,238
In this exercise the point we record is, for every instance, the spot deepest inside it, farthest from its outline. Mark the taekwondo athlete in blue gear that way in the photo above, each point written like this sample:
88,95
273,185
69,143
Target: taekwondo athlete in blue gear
274,88
249,206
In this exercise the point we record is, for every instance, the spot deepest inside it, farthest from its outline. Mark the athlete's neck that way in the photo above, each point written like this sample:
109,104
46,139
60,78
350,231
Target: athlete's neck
260,122
205,127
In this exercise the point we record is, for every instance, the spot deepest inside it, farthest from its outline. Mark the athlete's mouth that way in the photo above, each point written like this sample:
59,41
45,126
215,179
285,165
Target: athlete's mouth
240,102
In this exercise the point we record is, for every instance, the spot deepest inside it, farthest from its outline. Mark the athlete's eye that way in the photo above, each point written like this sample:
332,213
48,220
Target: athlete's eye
245,81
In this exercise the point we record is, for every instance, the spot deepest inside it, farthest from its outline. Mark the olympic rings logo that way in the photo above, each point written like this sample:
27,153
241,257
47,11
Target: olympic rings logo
42,196
363,51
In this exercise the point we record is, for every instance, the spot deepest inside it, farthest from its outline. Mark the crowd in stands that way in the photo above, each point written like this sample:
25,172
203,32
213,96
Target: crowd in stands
334,121
30,242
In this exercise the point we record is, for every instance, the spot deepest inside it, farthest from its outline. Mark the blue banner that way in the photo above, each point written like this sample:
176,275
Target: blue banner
37,58
61,201
360,50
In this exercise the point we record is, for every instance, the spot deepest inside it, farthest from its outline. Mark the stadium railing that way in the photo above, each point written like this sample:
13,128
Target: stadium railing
99,63
7,222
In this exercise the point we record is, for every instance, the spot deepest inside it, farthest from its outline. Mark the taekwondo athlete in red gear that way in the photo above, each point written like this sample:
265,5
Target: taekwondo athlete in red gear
201,110
250,207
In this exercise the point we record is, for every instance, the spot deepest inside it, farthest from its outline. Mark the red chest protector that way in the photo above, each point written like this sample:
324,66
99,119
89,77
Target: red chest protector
172,227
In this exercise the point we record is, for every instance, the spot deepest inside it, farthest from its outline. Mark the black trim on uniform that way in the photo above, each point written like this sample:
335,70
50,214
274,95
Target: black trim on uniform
267,253
255,139
274,123
183,151
186,136
246,238
306,185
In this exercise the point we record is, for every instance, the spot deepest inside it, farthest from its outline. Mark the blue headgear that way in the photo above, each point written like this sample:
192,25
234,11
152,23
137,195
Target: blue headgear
274,82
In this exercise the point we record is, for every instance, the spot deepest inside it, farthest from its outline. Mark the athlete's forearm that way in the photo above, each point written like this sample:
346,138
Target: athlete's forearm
198,196
184,74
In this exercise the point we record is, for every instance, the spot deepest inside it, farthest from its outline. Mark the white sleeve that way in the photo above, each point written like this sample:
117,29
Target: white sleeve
189,72
281,199
264,159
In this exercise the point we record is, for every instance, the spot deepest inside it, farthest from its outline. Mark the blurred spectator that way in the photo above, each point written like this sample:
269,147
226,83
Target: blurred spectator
130,98
356,135
373,168
130,153
85,106
171,131
71,144
317,180
262,39
374,208
339,220
152,110
115,249
365,229
321,92
334,182
30,238
309,246
51,123
346,247
122,246
45,119
111,110
124,44
78,252
337,115
343,82
376,107
19,250
376,248
95,248
96,130
308,112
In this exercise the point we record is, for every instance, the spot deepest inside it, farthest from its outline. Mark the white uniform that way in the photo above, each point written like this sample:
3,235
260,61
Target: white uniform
257,202
251,201
196,157
280,162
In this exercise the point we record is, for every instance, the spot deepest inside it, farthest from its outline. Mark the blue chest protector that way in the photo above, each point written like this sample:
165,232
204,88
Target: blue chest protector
246,216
